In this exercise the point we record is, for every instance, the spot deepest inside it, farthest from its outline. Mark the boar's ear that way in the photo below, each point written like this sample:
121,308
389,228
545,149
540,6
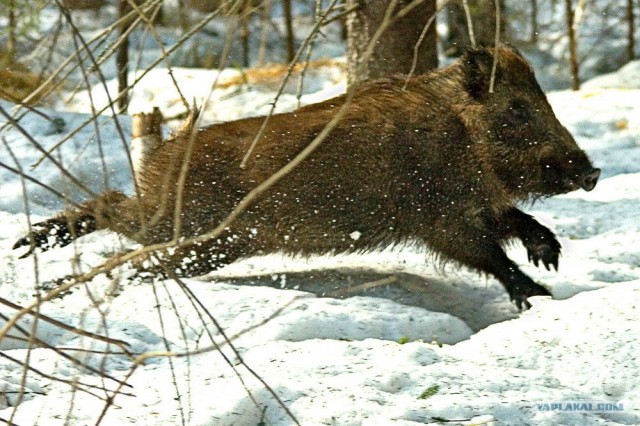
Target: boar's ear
476,66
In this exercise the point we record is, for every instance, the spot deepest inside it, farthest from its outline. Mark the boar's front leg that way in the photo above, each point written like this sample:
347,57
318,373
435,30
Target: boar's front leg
487,256
480,248
519,286
540,242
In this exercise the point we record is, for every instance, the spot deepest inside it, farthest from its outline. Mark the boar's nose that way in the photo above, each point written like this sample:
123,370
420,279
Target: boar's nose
589,178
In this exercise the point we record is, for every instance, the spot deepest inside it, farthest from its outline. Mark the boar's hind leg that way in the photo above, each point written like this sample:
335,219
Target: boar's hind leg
61,230
540,242
192,259
56,232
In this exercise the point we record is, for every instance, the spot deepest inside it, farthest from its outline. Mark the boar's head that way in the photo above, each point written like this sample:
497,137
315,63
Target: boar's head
531,153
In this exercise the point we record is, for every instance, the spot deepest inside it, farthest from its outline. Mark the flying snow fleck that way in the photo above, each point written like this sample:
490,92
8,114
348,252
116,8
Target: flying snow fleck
355,235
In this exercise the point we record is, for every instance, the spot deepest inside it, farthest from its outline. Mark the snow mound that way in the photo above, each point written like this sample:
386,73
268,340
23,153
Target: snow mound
627,77
510,372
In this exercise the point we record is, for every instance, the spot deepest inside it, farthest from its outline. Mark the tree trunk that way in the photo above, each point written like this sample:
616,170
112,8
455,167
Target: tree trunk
183,16
631,45
573,48
12,28
288,20
485,21
534,21
245,17
483,18
122,59
458,33
393,54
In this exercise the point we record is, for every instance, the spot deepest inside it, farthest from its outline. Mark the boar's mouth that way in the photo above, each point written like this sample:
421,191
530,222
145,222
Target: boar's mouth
560,180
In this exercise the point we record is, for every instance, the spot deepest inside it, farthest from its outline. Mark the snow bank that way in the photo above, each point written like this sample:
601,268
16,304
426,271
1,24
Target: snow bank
583,349
627,77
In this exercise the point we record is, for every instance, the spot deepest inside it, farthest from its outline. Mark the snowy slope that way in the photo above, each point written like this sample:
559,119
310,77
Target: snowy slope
337,361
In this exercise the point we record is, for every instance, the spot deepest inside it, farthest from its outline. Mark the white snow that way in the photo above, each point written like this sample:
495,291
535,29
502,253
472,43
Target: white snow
627,77
330,361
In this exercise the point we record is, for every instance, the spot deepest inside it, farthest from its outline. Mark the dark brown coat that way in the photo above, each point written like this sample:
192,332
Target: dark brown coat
443,163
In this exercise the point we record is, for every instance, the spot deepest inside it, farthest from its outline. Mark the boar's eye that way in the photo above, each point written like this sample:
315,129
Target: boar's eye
518,114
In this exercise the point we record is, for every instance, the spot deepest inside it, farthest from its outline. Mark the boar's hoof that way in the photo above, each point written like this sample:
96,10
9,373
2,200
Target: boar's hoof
520,293
54,233
547,253
45,235
55,283
542,246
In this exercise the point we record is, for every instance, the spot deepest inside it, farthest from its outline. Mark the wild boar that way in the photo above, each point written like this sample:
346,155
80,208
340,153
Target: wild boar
442,162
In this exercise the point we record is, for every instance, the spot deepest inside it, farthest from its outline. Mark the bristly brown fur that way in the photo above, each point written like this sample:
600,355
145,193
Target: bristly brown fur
443,163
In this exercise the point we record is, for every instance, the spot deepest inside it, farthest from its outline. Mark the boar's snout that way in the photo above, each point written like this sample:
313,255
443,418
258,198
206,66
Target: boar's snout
574,171
589,178
585,178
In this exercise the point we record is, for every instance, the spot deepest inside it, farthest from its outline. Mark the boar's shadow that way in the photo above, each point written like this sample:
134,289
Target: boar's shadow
477,305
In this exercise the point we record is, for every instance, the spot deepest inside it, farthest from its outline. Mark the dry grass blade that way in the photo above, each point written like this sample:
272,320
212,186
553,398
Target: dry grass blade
362,287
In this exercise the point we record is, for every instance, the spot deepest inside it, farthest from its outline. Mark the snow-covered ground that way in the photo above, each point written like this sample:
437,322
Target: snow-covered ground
360,360
433,346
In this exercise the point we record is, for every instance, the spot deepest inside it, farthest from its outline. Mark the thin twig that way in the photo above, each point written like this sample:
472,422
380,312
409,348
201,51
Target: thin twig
78,36
340,15
305,63
39,147
96,128
39,183
161,58
467,13
71,383
416,47
23,379
50,79
42,343
119,343
494,66
186,161
290,69
235,350
196,303
167,347
151,28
